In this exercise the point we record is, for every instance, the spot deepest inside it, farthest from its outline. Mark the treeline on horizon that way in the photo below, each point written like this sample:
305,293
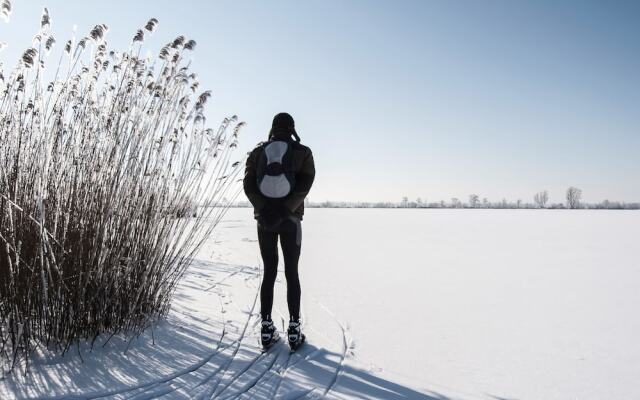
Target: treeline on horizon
540,201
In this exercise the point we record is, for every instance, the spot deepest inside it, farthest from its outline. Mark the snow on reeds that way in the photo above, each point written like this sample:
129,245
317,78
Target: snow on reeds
98,168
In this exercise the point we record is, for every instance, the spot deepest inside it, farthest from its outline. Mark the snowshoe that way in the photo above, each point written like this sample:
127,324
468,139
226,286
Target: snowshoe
295,335
268,334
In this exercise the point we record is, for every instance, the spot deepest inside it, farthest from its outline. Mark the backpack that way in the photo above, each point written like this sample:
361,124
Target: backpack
274,170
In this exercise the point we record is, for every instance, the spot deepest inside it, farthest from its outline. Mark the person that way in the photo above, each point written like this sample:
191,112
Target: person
278,176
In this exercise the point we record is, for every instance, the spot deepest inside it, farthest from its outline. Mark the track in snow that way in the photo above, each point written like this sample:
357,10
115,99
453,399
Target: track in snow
261,375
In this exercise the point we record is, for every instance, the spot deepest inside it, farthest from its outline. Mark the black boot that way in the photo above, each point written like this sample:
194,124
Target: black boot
269,334
296,337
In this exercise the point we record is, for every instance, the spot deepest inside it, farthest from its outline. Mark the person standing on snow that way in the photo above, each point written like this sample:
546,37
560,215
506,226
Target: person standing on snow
278,176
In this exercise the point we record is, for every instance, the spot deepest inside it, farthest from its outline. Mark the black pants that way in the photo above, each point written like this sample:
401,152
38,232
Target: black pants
290,234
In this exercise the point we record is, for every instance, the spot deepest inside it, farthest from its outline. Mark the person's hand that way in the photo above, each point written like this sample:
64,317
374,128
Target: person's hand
272,217
270,221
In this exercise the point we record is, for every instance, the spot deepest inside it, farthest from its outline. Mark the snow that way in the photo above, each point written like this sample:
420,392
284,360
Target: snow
397,304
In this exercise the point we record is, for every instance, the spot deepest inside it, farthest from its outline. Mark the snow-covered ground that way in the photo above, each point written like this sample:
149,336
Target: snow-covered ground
397,304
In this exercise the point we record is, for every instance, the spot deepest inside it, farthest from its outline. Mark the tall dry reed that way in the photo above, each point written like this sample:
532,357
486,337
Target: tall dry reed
98,169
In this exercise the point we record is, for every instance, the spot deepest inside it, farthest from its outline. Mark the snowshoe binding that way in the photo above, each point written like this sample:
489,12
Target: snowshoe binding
269,335
295,335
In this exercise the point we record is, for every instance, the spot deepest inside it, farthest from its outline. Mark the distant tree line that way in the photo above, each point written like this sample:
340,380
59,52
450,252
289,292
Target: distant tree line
572,200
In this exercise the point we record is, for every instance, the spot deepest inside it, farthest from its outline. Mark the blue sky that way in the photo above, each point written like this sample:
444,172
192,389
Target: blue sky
431,99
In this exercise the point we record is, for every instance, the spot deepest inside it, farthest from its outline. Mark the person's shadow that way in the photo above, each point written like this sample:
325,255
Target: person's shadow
316,373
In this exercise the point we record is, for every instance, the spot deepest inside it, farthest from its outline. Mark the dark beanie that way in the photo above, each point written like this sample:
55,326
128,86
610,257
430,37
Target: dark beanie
283,124
283,121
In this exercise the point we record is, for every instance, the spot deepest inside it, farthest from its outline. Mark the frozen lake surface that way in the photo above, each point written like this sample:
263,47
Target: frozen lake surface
397,304
518,304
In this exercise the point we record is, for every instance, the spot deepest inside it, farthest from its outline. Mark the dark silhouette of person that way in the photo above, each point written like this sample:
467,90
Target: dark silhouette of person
278,176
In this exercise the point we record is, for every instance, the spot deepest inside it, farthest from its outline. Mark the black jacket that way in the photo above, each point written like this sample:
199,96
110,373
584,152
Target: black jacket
294,202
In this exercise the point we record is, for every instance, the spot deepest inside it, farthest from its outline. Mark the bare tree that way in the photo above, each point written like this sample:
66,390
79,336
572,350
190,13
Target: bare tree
455,203
474,201
573,197
541,199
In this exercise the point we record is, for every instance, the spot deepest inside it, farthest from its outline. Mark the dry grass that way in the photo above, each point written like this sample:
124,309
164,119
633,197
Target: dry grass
97,168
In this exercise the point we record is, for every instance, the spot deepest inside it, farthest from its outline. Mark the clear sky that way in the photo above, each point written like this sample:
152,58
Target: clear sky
431,99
